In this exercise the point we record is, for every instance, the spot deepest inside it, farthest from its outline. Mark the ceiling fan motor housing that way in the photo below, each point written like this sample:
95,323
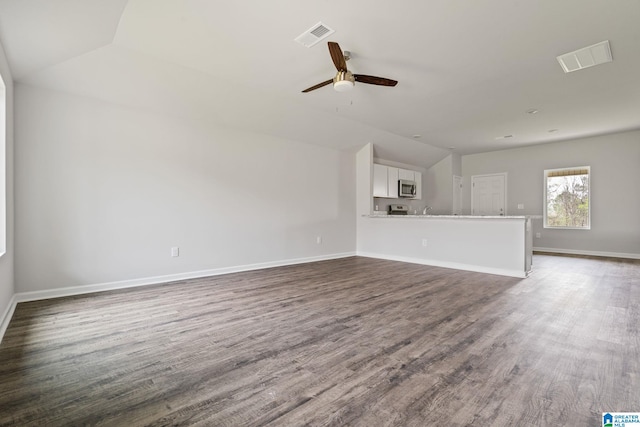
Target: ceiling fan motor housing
343,81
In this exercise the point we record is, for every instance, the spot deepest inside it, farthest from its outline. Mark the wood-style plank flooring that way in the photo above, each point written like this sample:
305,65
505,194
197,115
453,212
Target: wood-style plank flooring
348,342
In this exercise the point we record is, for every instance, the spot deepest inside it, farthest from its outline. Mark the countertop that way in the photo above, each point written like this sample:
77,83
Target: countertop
455,216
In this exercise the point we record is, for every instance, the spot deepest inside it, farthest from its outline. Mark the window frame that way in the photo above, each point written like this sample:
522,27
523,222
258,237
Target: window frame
545,177
3,166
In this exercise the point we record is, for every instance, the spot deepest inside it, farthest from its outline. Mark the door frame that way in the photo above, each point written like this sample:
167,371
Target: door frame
504,174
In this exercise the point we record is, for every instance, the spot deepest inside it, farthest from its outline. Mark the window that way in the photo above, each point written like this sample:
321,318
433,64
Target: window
567,198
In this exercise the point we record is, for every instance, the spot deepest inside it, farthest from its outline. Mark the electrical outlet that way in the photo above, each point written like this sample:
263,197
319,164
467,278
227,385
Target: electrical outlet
175,251
538,235
424,242
319,240
520,205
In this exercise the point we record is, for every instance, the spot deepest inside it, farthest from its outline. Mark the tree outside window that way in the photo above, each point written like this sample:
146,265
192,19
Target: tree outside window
567,201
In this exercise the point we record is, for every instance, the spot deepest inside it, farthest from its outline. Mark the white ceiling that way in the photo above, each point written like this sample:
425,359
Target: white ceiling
468,71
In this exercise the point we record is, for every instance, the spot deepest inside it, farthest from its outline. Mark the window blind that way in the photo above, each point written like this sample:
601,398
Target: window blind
568,172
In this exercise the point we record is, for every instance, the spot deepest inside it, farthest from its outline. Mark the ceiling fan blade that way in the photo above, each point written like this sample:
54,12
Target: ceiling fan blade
337,56
373,80
318,86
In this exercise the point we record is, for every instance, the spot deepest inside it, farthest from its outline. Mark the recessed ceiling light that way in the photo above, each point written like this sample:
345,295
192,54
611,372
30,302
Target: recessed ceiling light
532,111
451,148
552,130
504,137
417,136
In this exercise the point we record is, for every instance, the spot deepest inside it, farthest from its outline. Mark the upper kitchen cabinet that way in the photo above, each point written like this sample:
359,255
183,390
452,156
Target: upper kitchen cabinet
418,180
380,181
385,181
392,183
406,174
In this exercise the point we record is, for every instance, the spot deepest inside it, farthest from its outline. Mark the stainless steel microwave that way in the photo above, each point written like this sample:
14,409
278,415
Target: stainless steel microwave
406,188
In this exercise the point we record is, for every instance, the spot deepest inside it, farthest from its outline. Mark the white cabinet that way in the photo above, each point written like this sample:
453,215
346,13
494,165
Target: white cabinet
418,180
380,181
385,181
412,176
392,182
406,174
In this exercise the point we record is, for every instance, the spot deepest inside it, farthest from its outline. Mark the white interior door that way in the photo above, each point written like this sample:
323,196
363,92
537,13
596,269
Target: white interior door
457,195
488,194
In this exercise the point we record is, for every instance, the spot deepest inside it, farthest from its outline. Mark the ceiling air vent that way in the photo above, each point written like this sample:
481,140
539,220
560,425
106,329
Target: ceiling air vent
586,57
314,34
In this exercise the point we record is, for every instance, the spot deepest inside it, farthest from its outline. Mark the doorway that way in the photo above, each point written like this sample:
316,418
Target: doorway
488,194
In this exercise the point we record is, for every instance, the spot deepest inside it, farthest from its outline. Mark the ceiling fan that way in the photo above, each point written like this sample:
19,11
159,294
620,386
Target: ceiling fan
344,79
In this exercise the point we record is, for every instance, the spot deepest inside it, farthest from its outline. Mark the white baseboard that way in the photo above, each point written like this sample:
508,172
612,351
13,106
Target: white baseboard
446,264
100,287
588,253
6,317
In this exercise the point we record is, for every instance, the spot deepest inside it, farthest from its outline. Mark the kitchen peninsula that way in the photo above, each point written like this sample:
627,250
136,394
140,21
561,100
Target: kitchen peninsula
489,244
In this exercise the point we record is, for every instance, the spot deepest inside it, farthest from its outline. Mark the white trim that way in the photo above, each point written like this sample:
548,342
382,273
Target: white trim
504,190
446,264
545,195
588,253
100,287
6,317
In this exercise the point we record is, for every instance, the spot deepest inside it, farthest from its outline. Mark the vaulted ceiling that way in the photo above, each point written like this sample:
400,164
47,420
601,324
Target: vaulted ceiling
468,71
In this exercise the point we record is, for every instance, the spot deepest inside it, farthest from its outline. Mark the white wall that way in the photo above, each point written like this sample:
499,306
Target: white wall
438,184
6,261
104,192
615,179
438,188
456,164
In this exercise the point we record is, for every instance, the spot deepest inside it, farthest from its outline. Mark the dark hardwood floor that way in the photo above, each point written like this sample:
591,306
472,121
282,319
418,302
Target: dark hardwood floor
349,342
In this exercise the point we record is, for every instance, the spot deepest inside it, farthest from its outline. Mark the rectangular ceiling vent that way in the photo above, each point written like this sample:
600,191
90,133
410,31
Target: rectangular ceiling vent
586,57
314,34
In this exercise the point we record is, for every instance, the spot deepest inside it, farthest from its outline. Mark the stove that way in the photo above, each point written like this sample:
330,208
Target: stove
398,210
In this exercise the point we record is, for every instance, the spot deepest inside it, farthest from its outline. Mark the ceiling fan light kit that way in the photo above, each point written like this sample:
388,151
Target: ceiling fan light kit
344,79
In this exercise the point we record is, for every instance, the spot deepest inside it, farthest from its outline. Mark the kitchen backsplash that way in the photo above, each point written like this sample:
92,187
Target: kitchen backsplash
415,206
